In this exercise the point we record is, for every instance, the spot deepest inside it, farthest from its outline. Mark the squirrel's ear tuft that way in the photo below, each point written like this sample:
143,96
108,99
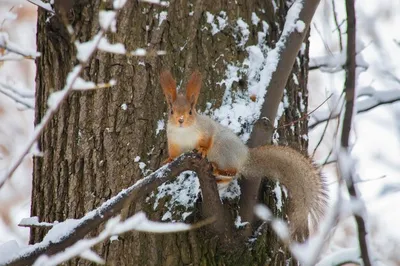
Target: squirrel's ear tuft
168,85
193,88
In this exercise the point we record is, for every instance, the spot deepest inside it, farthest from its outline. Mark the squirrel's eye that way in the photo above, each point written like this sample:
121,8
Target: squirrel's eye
172,112
190,112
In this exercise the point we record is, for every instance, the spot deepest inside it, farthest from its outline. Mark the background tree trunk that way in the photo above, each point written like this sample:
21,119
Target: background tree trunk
90,146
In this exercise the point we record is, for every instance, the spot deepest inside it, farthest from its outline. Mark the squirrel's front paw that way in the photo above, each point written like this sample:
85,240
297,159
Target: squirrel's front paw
202,151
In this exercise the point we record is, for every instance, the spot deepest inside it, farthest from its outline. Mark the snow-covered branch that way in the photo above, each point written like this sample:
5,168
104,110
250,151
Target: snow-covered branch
41,4
335,62
308,253
282,57
113,228
71,231
10,46
19,95
368,98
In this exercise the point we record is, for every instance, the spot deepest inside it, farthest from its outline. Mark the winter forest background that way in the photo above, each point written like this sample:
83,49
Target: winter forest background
375,138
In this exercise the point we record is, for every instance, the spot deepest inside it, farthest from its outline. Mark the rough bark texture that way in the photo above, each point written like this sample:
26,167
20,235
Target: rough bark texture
90,145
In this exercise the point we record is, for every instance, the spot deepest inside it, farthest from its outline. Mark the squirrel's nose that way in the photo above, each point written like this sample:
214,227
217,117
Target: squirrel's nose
180,120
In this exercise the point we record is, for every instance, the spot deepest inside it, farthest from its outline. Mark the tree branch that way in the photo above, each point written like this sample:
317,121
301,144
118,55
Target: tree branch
286,50
110,208
347,124
375,99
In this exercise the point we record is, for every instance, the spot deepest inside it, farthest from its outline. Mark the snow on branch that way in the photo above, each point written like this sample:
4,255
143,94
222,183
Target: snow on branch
85,51
308,253
282,57
41,4
34,222
69,232
114,227
368,98
335,62
156,2
10,46
22,96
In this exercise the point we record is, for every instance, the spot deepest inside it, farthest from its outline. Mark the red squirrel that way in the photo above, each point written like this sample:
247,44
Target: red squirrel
230,157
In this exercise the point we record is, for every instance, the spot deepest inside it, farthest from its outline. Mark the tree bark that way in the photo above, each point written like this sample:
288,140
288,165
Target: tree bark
90,146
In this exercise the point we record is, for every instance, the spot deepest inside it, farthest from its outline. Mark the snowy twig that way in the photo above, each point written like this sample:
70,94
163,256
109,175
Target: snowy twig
155,2
114,227
8,45
45,6
34,222
85,51
282,57
365,103
19,95
344,155
12,57
306,115
25,102
306,253
110,208
337,24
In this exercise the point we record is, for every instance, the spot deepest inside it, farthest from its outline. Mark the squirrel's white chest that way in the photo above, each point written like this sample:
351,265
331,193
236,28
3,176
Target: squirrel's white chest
185,138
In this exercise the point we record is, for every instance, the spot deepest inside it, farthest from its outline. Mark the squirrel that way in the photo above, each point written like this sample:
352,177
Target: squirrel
230,157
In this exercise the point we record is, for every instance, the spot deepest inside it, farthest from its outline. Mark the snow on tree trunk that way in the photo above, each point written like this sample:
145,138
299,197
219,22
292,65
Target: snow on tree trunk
92,145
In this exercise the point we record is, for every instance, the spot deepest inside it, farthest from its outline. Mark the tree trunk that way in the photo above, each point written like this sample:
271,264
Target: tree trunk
90,146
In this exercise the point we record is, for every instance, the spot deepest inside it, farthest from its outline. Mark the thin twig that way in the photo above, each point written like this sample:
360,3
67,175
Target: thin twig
337,25
326,126
347,124
25,102
306,115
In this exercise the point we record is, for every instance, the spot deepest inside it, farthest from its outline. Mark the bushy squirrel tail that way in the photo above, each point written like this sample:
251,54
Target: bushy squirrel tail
307,188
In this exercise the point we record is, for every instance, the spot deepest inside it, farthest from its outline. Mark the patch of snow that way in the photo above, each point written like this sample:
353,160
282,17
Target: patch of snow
92,256
156,2
58,231
183,192
161,17
34,221
81,84
118,4
160,126
278,195
239,223
221,19
139,52
254,18
300,26
106,18
116,48
55,98
86,49
241,33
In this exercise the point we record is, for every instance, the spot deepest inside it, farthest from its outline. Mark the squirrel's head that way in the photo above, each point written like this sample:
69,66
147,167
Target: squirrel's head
181,107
